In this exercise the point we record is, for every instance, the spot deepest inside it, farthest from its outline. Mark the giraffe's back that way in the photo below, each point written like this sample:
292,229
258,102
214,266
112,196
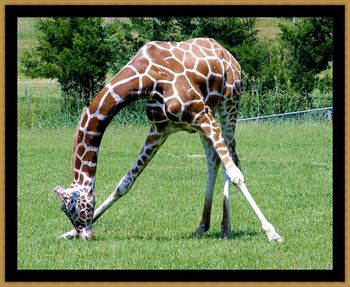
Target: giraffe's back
180,78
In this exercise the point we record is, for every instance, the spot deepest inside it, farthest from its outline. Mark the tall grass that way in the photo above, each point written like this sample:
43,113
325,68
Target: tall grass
40,104
255,102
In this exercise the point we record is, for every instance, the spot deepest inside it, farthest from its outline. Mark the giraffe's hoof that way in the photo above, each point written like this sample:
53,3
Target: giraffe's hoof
200,231
271,233
69,235
275,237
226,235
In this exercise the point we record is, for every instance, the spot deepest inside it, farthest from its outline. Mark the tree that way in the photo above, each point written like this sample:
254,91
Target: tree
75,52
310,41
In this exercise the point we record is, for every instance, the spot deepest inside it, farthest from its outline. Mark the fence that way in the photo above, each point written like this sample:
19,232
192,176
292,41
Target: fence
321,114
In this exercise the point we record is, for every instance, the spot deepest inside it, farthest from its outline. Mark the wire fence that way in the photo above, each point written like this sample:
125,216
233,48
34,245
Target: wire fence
321,114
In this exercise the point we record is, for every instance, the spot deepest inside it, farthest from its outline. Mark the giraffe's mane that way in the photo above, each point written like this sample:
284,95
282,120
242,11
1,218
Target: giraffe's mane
76,134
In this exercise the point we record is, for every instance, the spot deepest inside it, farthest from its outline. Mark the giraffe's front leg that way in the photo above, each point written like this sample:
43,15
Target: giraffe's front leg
213,162
156,137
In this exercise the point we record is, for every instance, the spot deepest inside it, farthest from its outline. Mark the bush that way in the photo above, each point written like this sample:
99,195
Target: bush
75,52
310,41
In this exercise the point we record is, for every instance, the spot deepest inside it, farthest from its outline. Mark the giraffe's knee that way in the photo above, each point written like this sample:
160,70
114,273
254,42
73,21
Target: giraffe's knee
123,187
235,175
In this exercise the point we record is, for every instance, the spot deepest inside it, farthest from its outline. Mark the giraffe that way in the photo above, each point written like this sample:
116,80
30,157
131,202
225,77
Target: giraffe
183,83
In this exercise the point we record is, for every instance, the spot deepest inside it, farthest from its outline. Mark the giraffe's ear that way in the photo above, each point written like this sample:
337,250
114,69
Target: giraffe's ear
69,198
60,192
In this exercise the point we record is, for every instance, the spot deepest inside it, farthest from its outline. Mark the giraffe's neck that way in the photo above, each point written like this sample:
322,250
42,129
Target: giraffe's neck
93,123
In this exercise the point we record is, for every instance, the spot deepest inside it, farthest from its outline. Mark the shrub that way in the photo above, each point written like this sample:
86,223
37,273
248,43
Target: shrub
75,52
310,41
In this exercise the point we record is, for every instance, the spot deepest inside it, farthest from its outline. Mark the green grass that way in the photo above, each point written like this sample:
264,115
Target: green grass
288,169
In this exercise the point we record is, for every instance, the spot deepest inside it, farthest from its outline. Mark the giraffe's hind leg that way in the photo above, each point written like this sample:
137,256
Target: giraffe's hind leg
213,162
228,109
207,125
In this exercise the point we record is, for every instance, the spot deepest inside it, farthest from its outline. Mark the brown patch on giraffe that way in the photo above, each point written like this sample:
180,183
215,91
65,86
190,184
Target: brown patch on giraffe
225,159
93,124
125,73
196,51
220,144
208,52
230,76
144,157
179,54
83,122
182,86
190,61
221,54
206,130
197,108
155,114
215,66
93,140
173,106
140,64
88,170
165,89
161,74
107,105
77,163
203,67
96,101
90,156
123,90
215,84
213,101
184,46
198,82
203,43
80,136
81,179
195,79
89,195
76,175
174,65
80,150
157,55
83,214
238,86
147,84
163,44
135,170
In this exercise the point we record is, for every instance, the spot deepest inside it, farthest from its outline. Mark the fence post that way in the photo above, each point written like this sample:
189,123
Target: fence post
329,114
27,97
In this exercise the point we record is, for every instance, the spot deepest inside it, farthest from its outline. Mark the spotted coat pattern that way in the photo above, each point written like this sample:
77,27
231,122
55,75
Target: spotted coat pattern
183,83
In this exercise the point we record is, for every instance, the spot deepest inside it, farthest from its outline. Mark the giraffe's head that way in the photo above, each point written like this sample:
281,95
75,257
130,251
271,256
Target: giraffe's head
78,205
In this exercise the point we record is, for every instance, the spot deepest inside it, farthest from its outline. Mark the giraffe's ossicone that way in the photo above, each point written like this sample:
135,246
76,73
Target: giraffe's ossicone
182,83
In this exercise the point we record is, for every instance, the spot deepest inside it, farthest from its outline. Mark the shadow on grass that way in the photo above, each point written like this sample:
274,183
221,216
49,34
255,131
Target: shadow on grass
211,235
236,235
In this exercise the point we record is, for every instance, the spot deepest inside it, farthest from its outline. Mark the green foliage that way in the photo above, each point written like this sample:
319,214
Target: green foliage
75,52
126,36
310,41
229,32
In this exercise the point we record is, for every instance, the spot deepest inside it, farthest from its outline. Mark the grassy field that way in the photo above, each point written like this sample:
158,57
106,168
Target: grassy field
288,168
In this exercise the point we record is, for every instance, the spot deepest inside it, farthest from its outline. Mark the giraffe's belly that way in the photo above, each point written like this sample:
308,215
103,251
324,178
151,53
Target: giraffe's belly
158,114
